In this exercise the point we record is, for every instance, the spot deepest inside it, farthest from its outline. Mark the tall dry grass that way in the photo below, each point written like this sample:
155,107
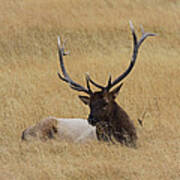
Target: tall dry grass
100,43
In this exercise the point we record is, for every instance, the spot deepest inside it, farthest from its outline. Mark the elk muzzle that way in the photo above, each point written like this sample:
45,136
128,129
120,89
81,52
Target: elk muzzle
92,120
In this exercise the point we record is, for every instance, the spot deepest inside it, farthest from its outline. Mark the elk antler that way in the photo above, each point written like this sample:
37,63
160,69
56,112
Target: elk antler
66,77
137,44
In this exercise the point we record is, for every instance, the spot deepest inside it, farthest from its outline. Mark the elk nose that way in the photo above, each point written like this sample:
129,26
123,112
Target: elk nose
91,120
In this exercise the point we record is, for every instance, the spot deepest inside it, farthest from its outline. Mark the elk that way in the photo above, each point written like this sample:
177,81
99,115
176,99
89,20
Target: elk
72,130
110,119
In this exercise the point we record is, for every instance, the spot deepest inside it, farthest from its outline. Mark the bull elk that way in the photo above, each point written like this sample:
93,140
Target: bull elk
111,120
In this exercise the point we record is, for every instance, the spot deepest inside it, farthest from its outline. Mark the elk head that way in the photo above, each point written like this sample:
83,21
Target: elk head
102,103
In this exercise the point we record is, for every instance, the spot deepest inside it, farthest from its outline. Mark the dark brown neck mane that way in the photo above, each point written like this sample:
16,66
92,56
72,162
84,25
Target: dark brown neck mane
117,125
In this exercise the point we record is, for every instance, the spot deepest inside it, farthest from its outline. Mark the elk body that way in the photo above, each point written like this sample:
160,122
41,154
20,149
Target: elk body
73,130
111,120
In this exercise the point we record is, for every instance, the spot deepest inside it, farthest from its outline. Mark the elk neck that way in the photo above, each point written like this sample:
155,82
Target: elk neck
117,114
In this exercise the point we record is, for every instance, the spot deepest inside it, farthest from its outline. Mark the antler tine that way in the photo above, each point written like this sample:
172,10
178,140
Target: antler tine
137,44
95,84
63,47
142,29
66,77
87,83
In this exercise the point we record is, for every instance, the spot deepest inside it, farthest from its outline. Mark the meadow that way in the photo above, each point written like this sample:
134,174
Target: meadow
100,43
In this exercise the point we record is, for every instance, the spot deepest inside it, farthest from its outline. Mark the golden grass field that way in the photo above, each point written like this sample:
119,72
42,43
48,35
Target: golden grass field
100,42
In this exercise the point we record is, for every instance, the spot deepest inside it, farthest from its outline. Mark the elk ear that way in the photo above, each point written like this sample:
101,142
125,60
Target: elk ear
85,99
115,92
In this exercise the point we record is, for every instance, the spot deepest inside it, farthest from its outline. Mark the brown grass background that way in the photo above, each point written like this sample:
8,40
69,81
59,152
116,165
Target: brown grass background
100,42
